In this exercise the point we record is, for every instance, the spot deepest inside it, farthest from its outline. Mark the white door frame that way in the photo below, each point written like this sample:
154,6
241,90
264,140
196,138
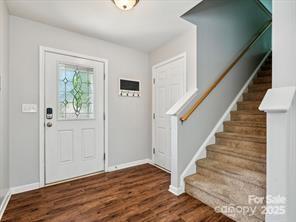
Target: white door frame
180,56
42,51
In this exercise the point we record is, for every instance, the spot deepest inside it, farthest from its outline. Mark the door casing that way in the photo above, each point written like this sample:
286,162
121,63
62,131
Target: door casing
180,56
42,52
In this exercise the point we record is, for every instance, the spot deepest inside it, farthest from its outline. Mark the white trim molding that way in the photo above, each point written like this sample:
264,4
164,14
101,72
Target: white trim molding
182,102
278,100
176,190
130,164
4,203
42,51
180,56
24,188
201,151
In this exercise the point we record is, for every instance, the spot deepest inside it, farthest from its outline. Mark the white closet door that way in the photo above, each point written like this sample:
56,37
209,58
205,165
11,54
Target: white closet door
169,88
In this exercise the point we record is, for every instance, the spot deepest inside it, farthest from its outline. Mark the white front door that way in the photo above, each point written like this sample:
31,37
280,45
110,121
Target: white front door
169,87
74,127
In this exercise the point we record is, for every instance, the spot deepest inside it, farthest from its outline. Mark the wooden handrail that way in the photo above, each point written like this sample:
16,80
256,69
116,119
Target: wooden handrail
222,76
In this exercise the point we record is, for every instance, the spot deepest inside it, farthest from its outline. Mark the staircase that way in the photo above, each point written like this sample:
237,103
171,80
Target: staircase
235,166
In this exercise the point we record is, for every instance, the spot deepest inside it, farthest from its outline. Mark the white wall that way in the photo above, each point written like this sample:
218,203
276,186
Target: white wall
185,42
4,154
129,118
223,30
284,43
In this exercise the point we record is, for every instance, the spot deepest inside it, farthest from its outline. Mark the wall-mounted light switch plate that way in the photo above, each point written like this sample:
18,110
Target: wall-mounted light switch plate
29,108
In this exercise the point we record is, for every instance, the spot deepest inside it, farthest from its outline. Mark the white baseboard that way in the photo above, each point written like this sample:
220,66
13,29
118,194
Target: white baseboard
191,167
24,188
127,165
159,167
34,186
176,190
16,190
4,203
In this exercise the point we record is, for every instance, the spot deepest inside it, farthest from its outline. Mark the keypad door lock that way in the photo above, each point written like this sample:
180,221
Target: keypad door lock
49,113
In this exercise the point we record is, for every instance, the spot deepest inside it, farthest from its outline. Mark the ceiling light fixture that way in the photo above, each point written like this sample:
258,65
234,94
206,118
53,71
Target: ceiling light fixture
125,5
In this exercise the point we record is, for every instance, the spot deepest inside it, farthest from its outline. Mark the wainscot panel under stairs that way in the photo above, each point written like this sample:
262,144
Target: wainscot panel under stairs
235,166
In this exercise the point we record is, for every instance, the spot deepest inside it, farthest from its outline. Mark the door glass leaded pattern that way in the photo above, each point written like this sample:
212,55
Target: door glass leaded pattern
75,92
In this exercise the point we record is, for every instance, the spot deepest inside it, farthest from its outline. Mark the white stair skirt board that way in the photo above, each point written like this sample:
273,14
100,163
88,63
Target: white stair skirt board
4,203
130,164
201,153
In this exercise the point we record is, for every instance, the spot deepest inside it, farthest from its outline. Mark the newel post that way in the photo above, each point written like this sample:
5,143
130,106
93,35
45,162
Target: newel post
279,104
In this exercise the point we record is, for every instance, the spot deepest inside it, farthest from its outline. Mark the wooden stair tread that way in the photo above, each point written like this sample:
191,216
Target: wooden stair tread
249,112
235,136
246,175
263,79
255,93
249,105
265,72
251,96
257,102
246,123
245,127
248,115
258,155
266,67
259,87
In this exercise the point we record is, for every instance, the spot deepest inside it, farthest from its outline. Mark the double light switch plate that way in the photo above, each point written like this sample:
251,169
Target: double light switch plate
29,108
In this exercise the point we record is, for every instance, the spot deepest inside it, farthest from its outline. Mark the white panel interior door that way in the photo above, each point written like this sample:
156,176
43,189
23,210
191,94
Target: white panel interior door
74,137
168,89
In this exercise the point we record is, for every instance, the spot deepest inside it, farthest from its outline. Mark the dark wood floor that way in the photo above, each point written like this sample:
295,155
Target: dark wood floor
134,194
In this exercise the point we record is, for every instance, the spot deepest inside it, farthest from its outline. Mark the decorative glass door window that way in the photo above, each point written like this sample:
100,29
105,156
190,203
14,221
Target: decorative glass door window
75,92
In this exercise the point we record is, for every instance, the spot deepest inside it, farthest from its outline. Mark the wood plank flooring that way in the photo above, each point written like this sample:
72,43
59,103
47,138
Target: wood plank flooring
134,194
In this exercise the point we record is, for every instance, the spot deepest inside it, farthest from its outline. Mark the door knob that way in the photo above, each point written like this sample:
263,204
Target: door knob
49,124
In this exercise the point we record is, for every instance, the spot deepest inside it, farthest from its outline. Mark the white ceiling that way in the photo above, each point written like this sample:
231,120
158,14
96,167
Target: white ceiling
149,25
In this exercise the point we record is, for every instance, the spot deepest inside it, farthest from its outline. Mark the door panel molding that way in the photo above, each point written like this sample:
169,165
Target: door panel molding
184,77
42,52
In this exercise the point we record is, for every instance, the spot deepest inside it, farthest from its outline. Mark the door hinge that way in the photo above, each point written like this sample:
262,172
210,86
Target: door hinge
154,80
153,150
104,116
153,116
104,76
104,156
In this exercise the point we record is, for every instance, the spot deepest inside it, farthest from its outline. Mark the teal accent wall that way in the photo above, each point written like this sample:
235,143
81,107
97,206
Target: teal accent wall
267,4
